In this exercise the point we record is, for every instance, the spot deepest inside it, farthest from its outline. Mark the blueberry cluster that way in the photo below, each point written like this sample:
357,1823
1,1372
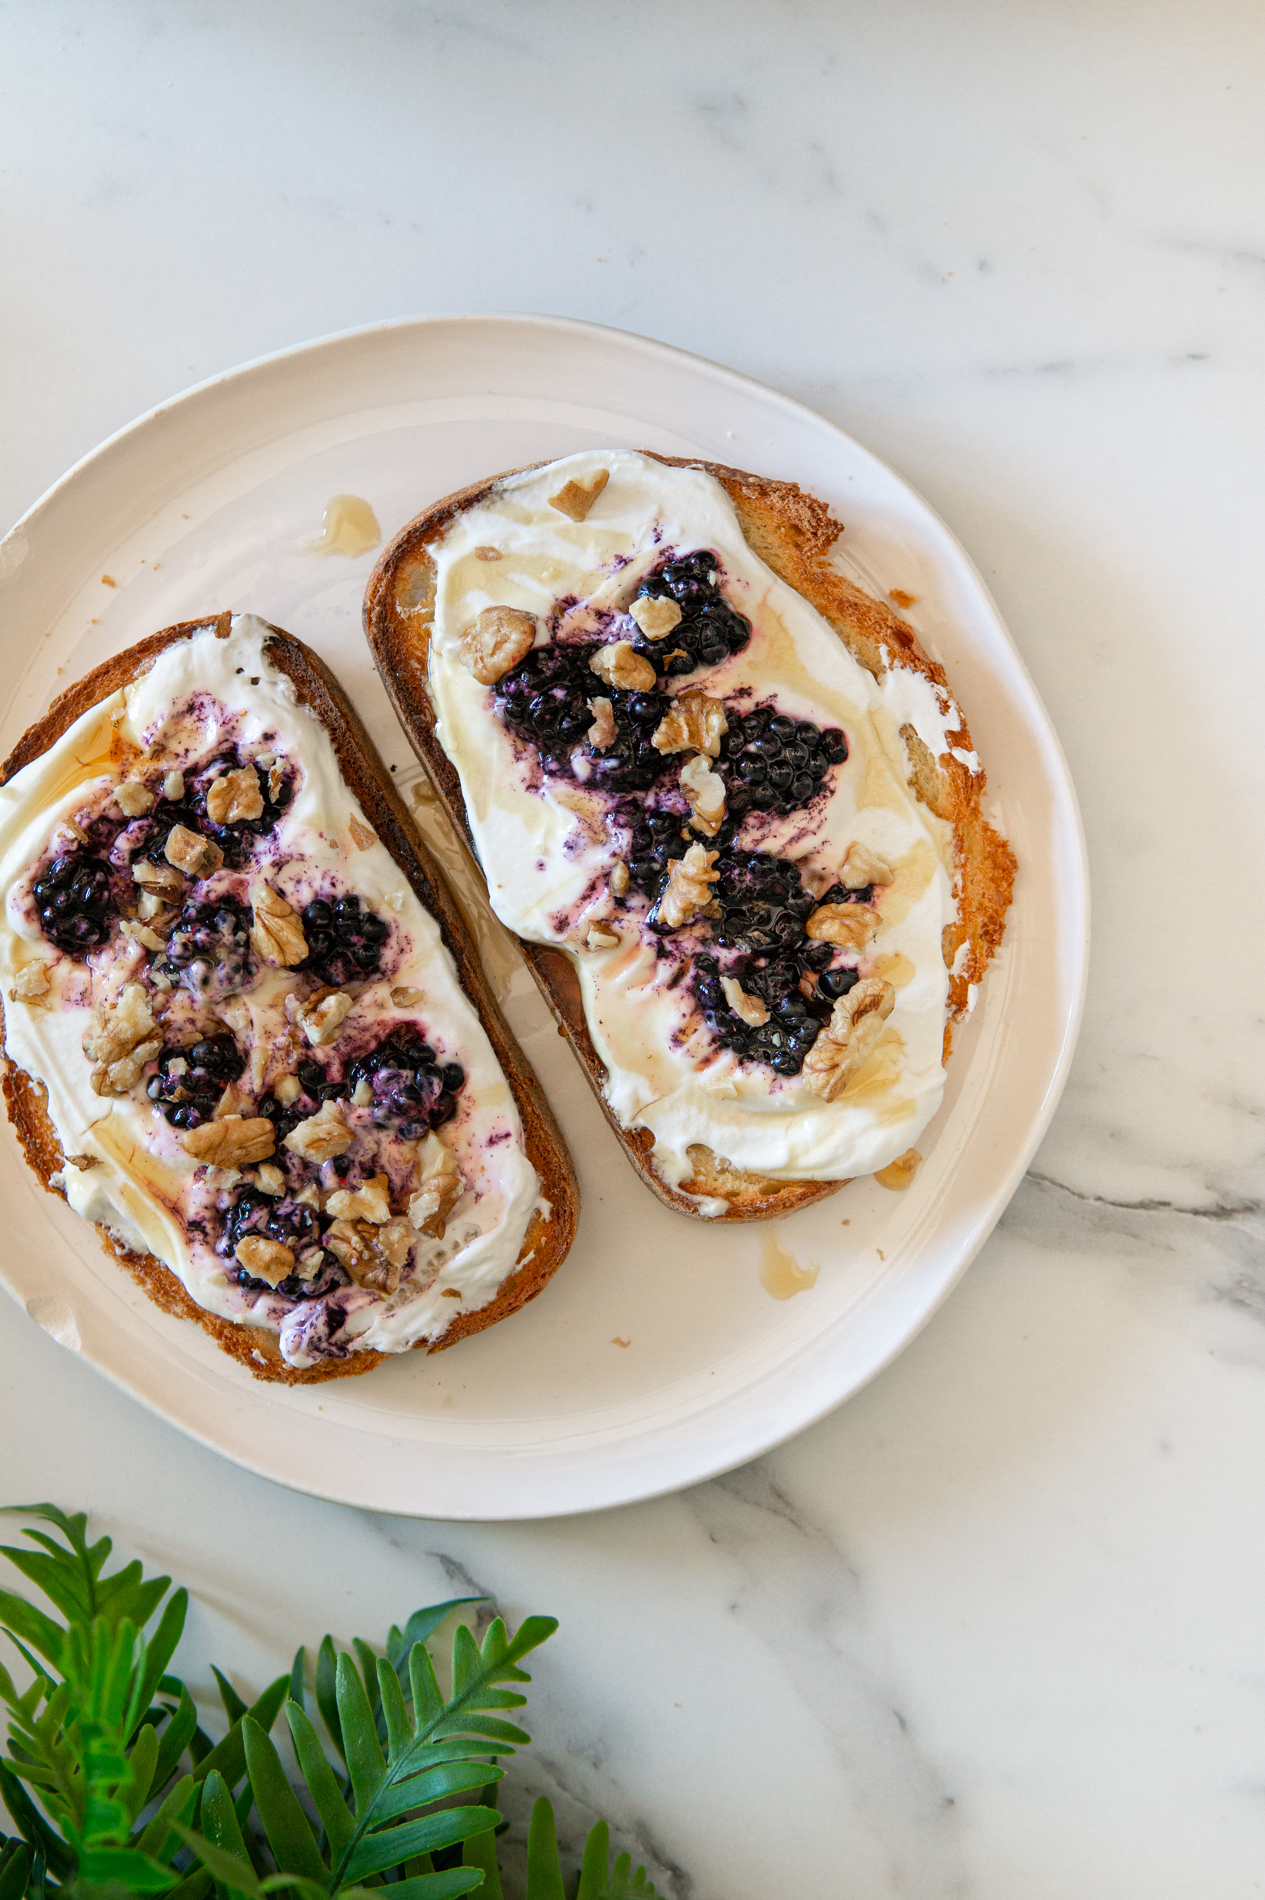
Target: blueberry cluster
546,700
191,1081
74,901
770,762
343,941
709,630
208,952
412,1091
233,840
295,1225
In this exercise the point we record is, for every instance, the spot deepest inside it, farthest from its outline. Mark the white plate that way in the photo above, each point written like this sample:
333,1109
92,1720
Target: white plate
655,1358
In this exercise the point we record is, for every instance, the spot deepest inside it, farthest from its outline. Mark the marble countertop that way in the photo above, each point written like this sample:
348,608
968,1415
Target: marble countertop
996,1628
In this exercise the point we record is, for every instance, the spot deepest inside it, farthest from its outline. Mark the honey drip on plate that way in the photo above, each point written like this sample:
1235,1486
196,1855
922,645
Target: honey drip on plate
780,1272
349,526
899,1173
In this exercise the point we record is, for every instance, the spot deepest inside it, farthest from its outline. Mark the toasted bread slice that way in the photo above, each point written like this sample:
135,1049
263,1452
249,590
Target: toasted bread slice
793,534
547,1239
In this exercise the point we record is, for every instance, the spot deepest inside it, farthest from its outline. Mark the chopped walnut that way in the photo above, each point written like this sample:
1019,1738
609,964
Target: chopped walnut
618,665
861,867
265,1259
83,1162
395,1239
276,779
574,499
287,1089
689,886
499,638
693,722
362,1094
133,799
152,909
602,732
405,997
856,1023
231,1102
487,554
190,852
277,932
321,1019
117,1034
163,879
30,981
232,1142
441,1187
749,1009
372,1202
705,791
618,879
849,925
173,787
142,934
321,1137
270,1180
361,836
599,938
235,798
656,617
357,1245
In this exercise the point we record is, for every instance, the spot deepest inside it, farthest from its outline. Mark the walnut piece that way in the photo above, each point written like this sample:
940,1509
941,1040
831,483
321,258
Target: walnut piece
82,1162
441,1187
277,932
602,732
141,933
406,998
368,1261
121,1040
232,1142
321,1137
270,1180
576,498
689,885
499,638
693,722
231,1102
618,665
173,787
749,1009
861,867
705,791
31,980
618,879
133,799
322,1018
152,909
372,1202
287,1089
265,1259
599,938
856,1023
361,836
190,852
656,616
163,879
487,554
235,798
849,925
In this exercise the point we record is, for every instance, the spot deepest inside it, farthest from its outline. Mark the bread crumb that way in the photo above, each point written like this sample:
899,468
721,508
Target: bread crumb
901,598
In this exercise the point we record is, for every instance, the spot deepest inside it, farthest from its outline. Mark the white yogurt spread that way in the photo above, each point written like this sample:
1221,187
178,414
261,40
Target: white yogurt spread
206,698
547,844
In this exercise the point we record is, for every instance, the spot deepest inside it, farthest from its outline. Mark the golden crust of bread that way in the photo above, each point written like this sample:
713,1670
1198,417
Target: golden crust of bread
794,534
546,1243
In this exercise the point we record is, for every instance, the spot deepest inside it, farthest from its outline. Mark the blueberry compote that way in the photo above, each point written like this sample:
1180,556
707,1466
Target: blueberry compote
73,898
208,952
295,1225
709,630
770,762
190,1081
344,941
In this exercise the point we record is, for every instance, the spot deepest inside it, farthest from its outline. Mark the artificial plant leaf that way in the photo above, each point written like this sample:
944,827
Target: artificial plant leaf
327,1796
24,1622
420,1625
595,1865
399,1730
361,1749
131,1594
375,1853
234,1707
161,1645
368,1673
625,1885
327,1691
195,1886
228,1757
141,1764
442,1886
544,1870
288,1829
31,1825
15,1868
480,1851
223,1866
297,1670
428,1702
123,1867
433,1784
159,1836
176,1737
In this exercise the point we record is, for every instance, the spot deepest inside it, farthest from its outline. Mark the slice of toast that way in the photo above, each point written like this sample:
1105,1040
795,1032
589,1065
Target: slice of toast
547,1240
793,534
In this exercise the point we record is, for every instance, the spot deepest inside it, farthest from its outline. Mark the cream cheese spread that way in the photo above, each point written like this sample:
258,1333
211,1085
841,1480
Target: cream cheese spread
259,1060
556,808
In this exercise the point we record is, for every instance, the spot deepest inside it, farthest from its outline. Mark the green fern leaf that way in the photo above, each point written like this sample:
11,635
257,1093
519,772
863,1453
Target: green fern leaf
288,1830
376,1853
544,1872
595,1864
327,1797
480,1851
